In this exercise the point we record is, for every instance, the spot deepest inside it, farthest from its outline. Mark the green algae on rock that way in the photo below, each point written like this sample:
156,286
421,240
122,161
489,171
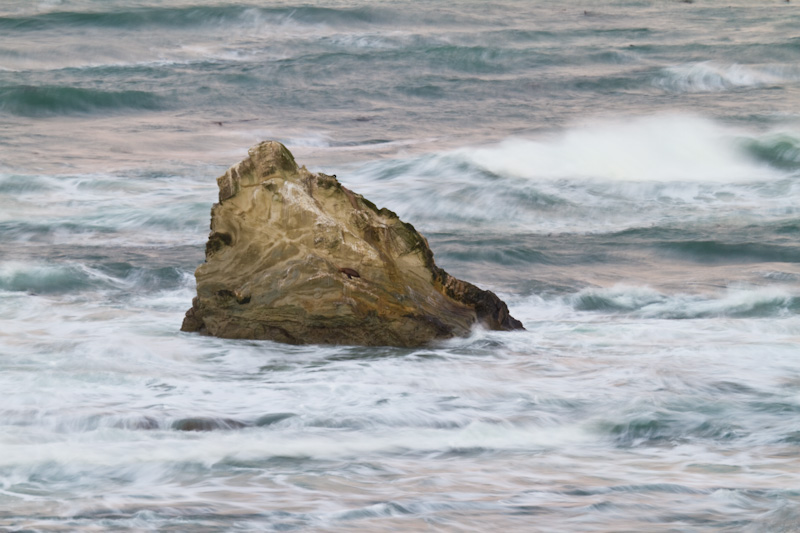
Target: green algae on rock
296,257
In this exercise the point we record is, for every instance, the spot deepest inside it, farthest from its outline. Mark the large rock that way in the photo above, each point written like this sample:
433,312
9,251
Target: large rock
296,257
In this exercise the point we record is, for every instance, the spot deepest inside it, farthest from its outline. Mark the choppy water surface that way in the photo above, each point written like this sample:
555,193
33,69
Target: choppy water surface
626,176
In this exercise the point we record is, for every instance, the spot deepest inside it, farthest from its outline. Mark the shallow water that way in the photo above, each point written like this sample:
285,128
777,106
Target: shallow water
625,176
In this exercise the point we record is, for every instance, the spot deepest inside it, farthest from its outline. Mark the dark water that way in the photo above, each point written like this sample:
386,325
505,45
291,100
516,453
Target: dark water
625,174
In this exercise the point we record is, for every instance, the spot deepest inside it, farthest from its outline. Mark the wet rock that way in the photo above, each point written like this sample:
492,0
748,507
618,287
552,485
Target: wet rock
200,423
272,418
295,257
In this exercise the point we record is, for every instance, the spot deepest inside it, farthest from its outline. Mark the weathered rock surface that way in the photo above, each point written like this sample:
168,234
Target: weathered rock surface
296,257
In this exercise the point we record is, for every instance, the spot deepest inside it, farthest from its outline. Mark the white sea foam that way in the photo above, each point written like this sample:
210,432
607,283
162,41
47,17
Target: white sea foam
315,140
121,448
369,41
617,406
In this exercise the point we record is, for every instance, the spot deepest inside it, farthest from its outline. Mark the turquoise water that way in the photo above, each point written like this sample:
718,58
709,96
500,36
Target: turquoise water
625,174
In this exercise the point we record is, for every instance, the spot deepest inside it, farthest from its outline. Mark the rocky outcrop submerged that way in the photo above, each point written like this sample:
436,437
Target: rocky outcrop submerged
294,256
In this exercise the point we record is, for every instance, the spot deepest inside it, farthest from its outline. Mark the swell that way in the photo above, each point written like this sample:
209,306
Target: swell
716,251
699,245
644,302
767,242
192,17
51,100
76,277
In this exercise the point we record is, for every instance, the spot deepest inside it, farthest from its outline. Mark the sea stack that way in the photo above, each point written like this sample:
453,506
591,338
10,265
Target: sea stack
295,257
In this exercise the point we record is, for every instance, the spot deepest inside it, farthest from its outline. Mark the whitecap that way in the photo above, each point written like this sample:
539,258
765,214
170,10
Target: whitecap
713,76
675,148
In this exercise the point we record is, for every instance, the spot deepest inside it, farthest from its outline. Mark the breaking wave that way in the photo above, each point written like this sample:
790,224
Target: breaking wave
612,176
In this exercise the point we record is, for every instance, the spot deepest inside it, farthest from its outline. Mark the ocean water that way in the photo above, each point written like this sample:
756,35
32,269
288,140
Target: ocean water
625,174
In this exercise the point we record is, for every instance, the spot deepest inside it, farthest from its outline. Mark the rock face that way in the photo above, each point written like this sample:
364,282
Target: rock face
296,257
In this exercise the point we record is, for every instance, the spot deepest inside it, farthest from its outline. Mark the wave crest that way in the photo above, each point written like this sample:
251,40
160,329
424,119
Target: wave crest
648,303
712,76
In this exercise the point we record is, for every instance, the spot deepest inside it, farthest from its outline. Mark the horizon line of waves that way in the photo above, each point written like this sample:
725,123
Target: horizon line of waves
76,277
716,76
202,16
648,303
54,100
